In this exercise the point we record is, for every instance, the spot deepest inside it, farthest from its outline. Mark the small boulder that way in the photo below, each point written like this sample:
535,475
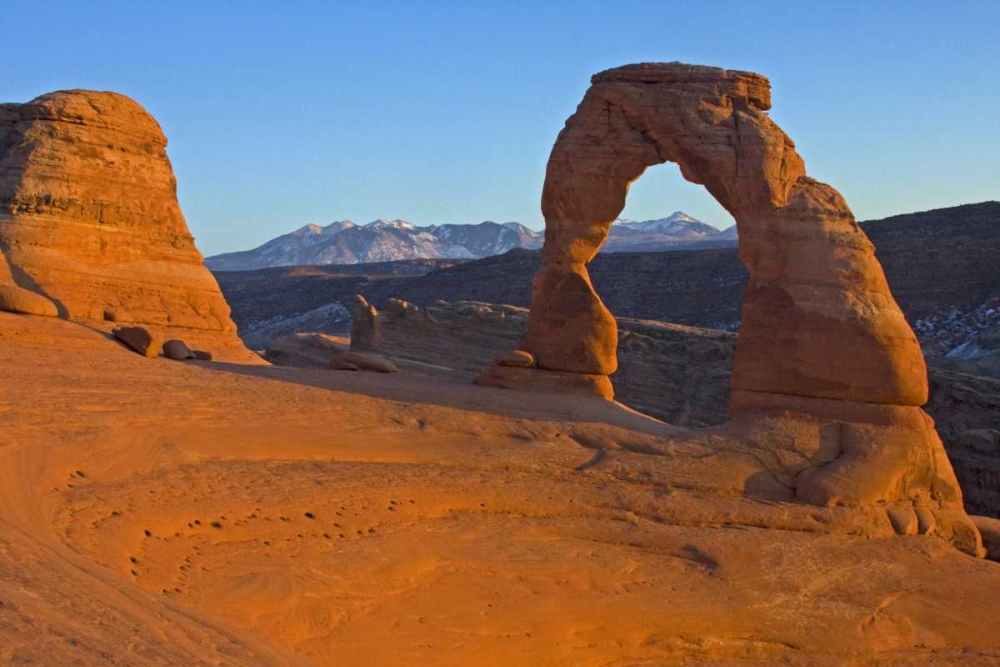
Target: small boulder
177,350
202,355
363,362
138,339
989,528
16,299
515,359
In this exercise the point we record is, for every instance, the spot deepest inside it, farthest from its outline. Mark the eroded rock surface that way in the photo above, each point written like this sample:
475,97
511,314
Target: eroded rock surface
89,217
305,349
818,323
818,318
366,333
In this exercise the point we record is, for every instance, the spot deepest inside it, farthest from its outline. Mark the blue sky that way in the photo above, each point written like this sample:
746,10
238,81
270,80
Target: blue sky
284,113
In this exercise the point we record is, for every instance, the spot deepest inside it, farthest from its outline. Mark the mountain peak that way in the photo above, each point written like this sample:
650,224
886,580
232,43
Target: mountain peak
395,224
677,223
344,242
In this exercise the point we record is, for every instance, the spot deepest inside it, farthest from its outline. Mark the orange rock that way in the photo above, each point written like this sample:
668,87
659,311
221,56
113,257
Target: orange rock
515,359
863,455
90,215
543,381
570,328
818,317
16,299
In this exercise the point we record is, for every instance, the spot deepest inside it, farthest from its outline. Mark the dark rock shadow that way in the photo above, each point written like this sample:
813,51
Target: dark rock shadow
24,281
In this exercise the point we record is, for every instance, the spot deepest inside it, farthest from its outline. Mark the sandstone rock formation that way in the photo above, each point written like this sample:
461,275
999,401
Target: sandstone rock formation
138,339
89,216
822,341
672,372
365,328
359,361
515,359
989,527
818,318
16,299
305,349
177,350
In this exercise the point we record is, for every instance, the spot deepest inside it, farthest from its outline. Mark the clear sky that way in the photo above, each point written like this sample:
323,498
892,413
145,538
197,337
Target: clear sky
284,113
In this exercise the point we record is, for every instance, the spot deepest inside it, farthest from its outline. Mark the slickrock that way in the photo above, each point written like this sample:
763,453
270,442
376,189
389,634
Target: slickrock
305,350
366,331
352,361
177,350
139,340
89,215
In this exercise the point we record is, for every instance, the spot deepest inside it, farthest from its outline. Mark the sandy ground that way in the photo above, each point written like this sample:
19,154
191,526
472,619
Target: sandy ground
162,513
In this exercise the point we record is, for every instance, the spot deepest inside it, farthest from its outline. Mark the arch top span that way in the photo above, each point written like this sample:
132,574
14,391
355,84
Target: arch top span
818,317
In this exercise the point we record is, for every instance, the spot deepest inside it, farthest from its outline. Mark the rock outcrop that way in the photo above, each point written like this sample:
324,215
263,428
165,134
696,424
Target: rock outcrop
89,217
824,350
366,331
818,318
16,299
360,361
305,350
681,375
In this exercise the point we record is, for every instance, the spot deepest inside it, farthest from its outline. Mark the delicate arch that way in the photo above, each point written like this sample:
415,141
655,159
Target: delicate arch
818,317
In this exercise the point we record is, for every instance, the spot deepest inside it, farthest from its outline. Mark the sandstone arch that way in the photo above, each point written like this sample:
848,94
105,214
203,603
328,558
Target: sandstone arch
818,317
825,359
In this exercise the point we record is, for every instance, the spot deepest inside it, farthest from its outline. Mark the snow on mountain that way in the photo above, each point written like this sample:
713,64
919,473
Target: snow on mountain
344,242
677,231
676,224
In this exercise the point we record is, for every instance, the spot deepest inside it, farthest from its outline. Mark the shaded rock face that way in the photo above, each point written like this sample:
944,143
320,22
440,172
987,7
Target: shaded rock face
366,331
89,215
305,349
823,347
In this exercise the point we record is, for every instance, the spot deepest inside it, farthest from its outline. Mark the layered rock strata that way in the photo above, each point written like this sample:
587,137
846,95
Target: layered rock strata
89,218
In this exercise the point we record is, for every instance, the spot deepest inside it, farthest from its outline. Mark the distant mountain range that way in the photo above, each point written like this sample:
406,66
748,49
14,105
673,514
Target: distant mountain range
943,267
345,242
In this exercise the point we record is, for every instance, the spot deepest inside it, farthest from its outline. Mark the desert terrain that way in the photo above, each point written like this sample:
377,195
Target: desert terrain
168,497
160,513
